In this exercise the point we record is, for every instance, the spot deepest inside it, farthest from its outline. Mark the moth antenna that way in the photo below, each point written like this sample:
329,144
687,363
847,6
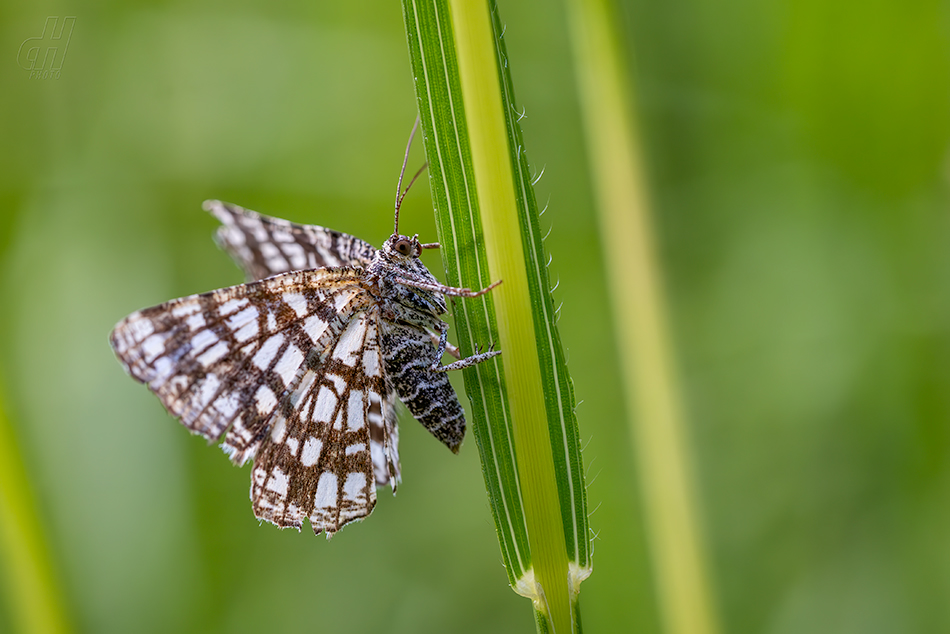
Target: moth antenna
400,194
399,200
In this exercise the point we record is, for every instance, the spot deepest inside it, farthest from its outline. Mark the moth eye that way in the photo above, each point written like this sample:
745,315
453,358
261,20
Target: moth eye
403,247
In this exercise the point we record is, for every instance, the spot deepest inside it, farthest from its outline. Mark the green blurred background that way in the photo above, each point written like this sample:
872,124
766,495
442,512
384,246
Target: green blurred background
797,155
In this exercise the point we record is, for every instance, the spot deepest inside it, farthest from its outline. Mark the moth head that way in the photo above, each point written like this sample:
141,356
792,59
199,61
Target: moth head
404,246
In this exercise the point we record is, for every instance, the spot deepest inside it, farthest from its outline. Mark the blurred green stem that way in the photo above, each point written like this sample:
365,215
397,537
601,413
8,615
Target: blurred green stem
648,367
34,598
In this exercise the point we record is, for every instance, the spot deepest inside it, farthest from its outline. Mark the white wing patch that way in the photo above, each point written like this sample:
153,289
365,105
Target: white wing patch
311,451
351,342
297,302
289,363
326,405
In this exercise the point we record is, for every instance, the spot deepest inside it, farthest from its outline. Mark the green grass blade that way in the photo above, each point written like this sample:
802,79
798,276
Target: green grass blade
522,401
648,371
34,598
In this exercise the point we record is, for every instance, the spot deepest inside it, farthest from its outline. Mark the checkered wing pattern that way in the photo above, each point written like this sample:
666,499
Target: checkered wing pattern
263,246
288,372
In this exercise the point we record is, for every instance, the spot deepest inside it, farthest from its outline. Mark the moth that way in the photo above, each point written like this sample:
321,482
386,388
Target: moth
298,370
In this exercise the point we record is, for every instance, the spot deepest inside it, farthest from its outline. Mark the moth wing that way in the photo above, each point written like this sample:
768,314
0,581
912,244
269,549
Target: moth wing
324,458
263,246
255,363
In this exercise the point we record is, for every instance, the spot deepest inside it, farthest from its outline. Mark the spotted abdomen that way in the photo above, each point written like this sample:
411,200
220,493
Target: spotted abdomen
408,352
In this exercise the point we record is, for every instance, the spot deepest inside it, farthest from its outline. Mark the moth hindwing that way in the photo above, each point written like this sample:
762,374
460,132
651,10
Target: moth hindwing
298,370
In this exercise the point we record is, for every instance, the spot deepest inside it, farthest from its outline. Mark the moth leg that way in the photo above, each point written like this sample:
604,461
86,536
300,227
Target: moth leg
452,350
467,361
478,357
407,279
